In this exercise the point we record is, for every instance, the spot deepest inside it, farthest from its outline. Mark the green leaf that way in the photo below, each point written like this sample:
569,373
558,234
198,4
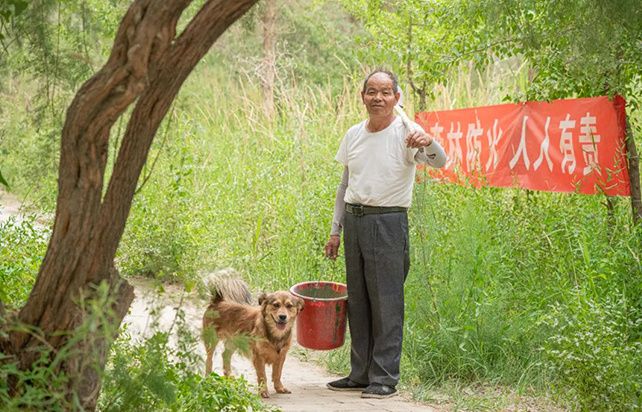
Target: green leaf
3,181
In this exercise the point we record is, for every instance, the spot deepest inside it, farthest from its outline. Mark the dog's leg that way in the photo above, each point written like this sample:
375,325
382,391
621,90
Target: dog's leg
227,358
208,362
277,369
259,366
210,341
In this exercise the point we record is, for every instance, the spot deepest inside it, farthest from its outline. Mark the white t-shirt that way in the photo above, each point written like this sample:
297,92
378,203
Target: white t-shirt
382,168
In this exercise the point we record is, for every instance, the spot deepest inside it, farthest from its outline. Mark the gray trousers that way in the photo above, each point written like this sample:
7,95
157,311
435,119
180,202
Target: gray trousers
377,262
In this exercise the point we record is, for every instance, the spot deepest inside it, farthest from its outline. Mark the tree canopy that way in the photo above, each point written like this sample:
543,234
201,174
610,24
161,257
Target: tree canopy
573,48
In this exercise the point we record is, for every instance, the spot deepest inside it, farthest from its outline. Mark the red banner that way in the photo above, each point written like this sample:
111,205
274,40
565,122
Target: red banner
574,145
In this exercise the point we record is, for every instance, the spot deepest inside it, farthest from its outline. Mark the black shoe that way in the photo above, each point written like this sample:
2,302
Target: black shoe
379,391
345,384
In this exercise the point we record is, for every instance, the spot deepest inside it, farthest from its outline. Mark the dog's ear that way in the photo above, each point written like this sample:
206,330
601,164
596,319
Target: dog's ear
262,298
299,303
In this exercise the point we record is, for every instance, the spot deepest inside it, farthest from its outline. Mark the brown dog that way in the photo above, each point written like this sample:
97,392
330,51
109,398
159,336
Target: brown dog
262,332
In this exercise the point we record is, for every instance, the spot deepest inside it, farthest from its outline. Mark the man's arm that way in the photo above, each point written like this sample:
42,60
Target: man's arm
332,247
432,154
340,204
430,151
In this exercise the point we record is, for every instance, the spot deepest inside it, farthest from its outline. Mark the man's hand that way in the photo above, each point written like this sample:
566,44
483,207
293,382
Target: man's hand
416,139
332,247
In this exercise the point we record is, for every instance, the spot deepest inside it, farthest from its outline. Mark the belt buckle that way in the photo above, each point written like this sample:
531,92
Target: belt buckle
357,210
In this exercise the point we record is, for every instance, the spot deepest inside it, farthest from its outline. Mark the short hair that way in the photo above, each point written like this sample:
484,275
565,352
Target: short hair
395,82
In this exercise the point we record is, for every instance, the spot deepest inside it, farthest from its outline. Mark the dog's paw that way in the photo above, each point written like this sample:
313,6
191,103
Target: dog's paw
265,394
282,389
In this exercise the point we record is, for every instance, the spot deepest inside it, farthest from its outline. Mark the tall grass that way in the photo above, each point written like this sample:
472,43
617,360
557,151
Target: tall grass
505,285
492,269
235,188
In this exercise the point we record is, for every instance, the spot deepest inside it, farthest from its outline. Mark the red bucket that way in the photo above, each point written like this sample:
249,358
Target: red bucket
322,323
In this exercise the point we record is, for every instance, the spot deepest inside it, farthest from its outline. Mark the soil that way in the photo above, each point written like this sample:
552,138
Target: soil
9,206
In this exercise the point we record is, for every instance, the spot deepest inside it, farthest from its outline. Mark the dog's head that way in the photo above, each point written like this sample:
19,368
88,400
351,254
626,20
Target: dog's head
280,309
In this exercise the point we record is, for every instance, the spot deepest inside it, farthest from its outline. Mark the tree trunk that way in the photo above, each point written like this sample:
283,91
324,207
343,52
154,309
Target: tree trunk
422,98
148,64
269,56
634,174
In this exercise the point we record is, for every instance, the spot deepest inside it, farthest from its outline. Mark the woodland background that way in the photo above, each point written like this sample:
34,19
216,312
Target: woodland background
536,292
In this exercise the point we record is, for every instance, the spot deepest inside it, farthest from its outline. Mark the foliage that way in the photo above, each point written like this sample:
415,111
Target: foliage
421,40
164,242
156,375
576,48
9,10
594,351
573,48
152,375
45,386
309,49
50,48
62,41
493,270
3,181
40,388
487,263
249,214
22,247
490,263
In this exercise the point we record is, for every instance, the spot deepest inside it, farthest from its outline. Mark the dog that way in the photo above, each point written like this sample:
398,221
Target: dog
263,332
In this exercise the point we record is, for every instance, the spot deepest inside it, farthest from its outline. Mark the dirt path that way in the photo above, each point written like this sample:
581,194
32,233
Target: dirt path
305,380
9,205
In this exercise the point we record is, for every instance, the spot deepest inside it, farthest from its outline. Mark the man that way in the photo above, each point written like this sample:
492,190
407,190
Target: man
379,157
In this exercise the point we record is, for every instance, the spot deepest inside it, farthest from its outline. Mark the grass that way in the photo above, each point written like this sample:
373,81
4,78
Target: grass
492,269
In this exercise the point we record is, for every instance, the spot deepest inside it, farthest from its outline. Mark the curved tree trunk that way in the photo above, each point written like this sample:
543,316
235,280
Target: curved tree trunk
148,64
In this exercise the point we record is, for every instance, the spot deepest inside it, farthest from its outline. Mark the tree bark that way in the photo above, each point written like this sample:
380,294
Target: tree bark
269,57
148,64
634,174
421,92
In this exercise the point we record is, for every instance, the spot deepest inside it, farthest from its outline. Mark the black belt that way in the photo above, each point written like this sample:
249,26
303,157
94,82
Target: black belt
360,210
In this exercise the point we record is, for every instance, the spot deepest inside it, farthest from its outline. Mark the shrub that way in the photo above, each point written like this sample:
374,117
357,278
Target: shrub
22,247
592,353
155,375
38,389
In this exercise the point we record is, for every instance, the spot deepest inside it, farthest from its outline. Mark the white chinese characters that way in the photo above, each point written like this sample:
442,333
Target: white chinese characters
589,140
538,138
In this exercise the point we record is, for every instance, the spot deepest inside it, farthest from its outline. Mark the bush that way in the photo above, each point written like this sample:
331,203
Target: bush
156,376
45,385
593,355
38,389
22,247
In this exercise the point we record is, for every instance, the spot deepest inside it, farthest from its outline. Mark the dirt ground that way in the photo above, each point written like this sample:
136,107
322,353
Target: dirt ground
306,380
9,205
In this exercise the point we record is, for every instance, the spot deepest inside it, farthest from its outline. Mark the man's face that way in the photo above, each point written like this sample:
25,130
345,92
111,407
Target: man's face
379,96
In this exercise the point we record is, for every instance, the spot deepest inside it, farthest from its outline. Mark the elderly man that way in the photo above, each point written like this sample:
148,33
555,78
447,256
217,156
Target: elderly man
379,157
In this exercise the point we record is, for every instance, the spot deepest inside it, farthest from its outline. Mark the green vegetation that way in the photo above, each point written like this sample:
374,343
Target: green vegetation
539,293
22,248
149,375
153,376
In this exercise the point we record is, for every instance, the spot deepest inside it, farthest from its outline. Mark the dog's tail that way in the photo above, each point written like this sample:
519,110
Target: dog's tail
227,284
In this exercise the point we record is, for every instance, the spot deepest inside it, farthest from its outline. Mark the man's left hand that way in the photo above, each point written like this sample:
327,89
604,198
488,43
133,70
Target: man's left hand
332,247
417,139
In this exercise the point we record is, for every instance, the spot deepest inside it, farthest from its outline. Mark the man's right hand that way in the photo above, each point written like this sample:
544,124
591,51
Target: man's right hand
332,247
